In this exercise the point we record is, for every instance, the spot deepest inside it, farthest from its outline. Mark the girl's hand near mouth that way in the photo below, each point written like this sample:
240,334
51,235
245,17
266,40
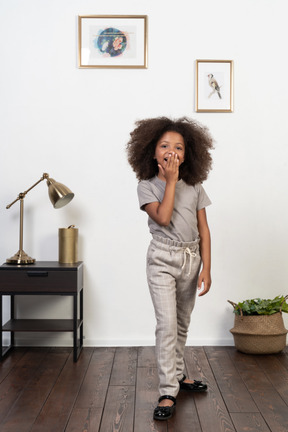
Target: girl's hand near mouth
170,171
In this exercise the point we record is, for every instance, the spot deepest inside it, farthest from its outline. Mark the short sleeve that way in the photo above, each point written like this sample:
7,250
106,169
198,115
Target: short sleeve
146,194
203,199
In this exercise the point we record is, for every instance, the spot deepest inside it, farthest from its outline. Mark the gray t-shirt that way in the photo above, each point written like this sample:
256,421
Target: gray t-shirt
188,200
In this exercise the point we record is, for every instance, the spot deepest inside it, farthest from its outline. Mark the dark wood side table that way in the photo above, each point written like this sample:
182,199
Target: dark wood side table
43,278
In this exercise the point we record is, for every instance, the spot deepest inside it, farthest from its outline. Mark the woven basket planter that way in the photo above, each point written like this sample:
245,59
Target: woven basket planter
259,334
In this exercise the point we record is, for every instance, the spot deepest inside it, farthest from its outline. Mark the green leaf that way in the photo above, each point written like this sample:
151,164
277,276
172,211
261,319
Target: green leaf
260,306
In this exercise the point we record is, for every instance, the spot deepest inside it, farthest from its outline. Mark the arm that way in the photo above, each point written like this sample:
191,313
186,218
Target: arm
161,213
205,251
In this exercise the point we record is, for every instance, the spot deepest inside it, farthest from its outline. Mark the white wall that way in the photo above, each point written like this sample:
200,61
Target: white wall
74,124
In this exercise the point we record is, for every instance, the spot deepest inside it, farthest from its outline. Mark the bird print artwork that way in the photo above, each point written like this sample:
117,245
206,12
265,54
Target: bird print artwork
214,85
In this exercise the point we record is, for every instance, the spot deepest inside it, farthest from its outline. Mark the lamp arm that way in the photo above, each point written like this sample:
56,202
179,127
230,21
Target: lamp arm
23,194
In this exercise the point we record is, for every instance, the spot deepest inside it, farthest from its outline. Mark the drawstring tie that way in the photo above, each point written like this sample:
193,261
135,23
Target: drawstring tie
192,255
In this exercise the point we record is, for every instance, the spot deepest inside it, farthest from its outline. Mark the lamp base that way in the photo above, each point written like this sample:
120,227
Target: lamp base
20,258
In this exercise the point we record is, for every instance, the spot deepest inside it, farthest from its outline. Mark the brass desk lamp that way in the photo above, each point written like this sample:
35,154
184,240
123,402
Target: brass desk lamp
59,196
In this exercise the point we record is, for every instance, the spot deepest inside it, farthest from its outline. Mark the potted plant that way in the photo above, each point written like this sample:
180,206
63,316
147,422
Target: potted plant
259,326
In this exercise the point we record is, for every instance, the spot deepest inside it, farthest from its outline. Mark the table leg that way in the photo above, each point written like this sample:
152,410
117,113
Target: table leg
75,313
5,349
81,319
12,316
1,321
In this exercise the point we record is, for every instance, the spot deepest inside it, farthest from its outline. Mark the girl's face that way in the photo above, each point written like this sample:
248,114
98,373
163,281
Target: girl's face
169,143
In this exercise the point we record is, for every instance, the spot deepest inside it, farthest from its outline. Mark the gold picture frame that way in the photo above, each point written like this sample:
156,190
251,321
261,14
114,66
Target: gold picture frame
112,41
214,85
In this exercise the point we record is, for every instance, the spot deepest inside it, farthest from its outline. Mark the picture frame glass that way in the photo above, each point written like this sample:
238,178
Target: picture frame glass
112,41
214,85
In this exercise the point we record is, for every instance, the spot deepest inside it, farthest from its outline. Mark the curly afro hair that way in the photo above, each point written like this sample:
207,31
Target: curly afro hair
198,143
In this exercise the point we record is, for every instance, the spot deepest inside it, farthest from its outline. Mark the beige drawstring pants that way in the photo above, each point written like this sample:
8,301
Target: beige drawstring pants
172,273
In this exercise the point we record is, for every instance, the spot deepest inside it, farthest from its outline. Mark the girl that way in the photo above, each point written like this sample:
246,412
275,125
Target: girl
171,159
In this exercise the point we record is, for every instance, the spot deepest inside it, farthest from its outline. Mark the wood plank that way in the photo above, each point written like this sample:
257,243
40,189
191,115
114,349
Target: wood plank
95,385
233,390
270,404
276,373
252,422
146,400
283,358
10,361
84,420
213,414
185,417
25,410
57,409
21,375
147,357
124,367
118,413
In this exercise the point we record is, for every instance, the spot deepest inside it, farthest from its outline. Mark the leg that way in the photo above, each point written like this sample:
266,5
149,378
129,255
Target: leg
164,301
163,293
186,295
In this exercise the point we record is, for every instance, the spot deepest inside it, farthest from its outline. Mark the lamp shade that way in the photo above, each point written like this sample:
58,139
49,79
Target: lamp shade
59,194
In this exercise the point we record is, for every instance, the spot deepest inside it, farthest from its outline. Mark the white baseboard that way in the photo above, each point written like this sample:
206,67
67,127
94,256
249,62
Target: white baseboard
151,342
54,341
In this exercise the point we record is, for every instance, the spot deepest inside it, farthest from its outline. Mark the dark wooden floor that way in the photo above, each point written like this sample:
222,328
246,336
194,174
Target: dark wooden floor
115,390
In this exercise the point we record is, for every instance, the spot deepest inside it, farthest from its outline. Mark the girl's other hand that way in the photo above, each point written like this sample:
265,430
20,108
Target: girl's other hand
204,283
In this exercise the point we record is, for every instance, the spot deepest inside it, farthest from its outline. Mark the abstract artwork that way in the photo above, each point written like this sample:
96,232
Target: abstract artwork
112,41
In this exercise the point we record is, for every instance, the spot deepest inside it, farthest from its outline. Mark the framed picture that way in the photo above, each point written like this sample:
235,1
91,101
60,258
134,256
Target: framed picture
112,41
214,85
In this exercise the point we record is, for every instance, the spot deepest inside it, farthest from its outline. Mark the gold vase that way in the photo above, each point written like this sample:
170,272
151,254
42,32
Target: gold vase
68,245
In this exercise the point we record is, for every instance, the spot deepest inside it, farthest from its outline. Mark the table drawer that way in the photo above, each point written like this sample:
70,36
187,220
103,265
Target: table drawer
38,280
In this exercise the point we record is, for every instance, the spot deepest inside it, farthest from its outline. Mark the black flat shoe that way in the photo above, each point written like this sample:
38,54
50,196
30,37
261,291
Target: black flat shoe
164,412
196,386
